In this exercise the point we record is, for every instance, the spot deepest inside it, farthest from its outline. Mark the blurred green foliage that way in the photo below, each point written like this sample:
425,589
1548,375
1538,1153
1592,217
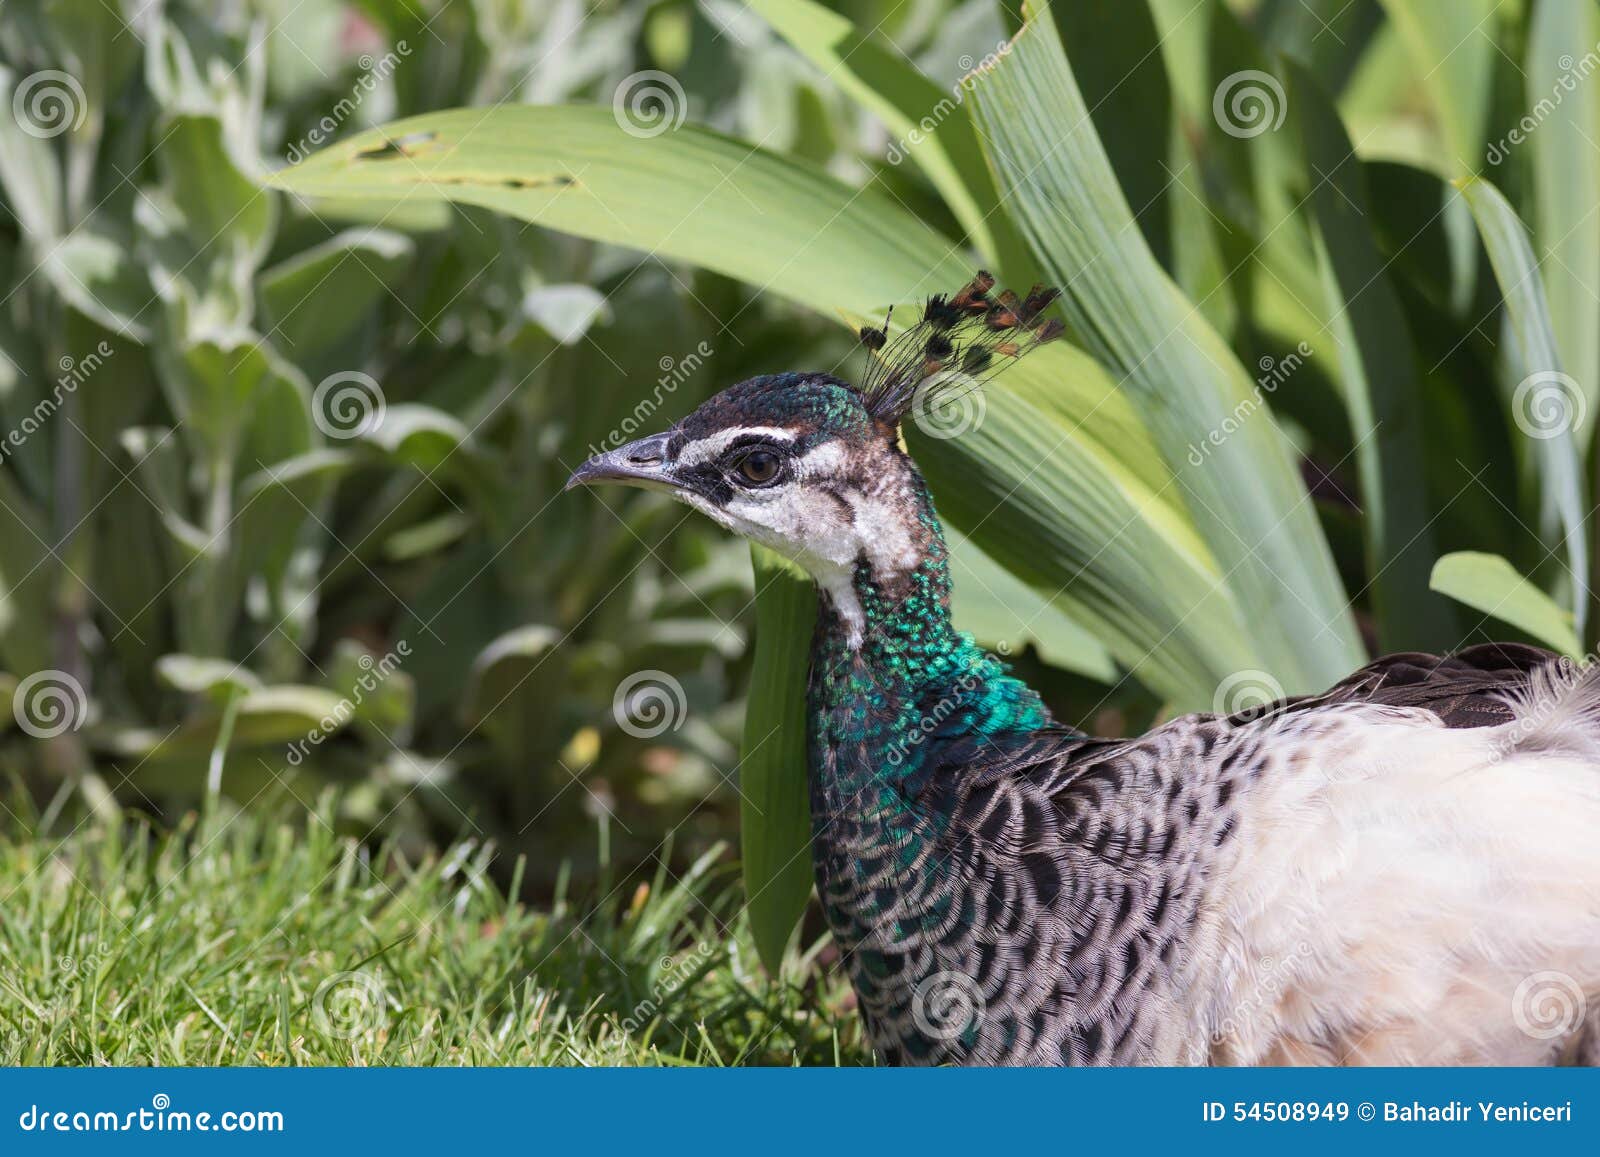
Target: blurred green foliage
205,516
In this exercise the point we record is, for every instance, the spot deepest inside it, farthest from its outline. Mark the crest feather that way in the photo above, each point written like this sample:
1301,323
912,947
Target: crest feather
961,340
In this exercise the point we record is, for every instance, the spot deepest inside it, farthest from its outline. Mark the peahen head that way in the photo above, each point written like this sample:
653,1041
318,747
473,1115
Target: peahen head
812,466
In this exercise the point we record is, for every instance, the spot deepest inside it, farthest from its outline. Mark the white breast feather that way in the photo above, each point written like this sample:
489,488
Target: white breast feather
1402,893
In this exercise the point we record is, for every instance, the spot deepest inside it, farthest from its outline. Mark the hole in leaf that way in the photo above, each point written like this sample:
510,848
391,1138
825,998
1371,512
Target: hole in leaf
399,147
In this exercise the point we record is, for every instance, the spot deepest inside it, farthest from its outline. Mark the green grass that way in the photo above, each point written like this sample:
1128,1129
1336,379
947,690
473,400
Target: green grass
243,940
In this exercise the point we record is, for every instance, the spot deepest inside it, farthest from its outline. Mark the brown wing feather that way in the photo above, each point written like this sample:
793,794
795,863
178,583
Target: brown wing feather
1466,689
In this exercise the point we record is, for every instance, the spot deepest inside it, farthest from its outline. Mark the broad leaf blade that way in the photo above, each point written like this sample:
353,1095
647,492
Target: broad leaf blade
1488,583
1376,365
774,802
931,126
1546,403
1245,496
1566,169
1452,49
1115,53
690,194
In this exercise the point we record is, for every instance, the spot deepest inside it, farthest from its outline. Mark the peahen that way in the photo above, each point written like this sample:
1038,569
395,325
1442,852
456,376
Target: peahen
1403,869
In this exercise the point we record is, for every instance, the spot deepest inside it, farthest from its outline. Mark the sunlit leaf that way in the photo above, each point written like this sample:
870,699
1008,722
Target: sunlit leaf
1488,583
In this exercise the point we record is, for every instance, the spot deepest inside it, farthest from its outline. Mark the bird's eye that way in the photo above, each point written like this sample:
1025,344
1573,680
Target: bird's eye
758,468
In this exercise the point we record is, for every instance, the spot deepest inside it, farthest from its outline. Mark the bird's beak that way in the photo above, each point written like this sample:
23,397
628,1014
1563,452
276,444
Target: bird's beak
642,463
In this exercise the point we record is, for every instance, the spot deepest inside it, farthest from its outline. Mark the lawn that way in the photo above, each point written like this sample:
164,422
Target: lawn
243,940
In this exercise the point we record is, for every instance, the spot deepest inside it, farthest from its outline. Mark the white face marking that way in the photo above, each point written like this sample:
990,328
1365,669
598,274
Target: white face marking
819,518
708,449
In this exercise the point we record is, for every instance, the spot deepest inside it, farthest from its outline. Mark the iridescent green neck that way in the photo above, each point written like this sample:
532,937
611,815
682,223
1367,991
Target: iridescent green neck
880,707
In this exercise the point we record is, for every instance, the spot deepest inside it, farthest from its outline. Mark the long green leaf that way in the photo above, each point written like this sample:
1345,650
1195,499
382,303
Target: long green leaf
689,193
1451,45
1377,374
1566,168
1245,495
931,126
774,803
1546,403
1115,54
